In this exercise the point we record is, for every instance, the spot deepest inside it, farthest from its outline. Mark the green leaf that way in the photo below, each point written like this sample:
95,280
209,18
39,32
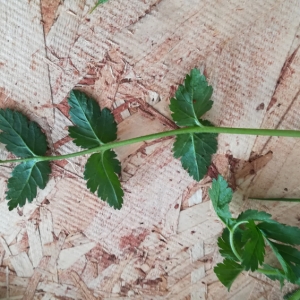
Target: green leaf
254,251
253,215
221,195
192,100
290,254
292,258
22,137
26,177
101,172
228,271
278,276
280,232
294,295
289,273
224,244
94,127
195,151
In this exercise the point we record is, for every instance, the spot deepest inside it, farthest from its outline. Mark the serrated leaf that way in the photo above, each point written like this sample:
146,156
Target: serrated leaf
93,126
22,137
290,254
292,258
101,172
278,276
224,244
296,271
221,195
26,177
254,250
289,273
192,100
281,232
228,271
195,151
254,215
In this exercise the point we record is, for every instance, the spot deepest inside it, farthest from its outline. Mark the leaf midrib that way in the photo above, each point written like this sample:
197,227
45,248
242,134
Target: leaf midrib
104,169
27,147
193,109
254,252
89,124
26,182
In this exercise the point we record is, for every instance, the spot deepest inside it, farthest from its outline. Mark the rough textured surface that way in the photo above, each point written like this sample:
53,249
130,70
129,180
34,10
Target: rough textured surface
131,56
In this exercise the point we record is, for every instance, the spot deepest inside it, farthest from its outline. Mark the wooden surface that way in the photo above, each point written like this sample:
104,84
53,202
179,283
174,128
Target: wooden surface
130,56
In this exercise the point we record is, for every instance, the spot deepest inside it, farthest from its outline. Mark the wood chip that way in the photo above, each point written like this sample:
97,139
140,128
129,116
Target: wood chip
35,246
35,279
82,286
22,264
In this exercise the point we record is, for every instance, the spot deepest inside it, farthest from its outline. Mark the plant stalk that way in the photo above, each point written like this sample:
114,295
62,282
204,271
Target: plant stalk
278,199
187,130
269,272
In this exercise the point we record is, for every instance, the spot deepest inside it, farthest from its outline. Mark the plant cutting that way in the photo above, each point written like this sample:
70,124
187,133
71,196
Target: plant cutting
243,241
95,130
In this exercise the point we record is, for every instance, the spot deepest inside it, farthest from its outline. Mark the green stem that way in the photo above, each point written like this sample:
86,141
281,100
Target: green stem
277,199
196,129
269,272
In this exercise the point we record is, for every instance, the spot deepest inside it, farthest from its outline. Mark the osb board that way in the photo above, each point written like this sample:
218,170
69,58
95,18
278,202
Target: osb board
131,55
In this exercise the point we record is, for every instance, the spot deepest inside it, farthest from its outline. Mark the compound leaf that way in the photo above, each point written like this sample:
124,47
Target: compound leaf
228,271
254,250
192,100
281,232
195,151
25,139
291,256
22,137
255,215
93,126
101,172
221,195
26,177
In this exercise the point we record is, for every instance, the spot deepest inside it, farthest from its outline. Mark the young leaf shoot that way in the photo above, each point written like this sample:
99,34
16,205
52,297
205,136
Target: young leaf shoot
245,238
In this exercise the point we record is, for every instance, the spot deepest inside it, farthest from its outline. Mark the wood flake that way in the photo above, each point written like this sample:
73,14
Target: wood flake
69,256
22,264
35,246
